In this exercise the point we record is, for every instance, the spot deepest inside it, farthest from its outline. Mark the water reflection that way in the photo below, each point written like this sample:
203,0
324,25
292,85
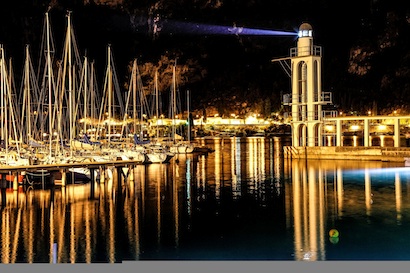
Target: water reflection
349,196
244,201
308,189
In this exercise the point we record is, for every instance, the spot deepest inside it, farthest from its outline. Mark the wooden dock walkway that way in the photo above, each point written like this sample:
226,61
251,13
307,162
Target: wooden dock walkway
55,167
10,174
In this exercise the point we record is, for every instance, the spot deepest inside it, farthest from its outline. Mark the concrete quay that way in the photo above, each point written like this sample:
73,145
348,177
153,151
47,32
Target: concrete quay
390,154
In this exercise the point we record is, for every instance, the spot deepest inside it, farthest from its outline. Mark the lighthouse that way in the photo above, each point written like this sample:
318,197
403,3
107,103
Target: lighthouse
306,98
317,131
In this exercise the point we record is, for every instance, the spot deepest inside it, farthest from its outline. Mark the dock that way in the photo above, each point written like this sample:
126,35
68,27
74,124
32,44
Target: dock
388,154
63,168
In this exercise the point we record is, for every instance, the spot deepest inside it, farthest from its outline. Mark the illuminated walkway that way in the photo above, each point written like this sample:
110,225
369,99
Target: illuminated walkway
383,131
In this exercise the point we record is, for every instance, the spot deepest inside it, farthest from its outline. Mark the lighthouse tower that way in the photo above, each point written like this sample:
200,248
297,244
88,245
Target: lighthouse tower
307,98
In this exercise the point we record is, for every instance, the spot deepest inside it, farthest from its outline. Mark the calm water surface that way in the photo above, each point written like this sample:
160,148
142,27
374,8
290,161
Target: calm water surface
241,202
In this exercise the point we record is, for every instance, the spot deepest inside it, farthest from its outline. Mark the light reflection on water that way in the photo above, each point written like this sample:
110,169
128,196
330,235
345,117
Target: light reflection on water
242,202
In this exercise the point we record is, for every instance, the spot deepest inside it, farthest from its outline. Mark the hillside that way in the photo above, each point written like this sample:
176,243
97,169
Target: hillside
366,47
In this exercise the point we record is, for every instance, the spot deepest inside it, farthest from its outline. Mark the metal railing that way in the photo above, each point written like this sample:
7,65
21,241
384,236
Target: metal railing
288,99
306,51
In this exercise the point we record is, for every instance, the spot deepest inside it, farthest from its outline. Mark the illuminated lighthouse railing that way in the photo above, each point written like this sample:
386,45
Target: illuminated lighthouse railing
307,98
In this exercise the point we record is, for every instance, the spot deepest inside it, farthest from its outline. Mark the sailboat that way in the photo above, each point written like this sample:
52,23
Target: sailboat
197,147
57,100
152,152
30,134
41,139
88,95
112,107
11,153
10,150
177,146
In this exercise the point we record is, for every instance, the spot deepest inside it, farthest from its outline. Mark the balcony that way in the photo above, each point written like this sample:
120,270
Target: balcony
325,98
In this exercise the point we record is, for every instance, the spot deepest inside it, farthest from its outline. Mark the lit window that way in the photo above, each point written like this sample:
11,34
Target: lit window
305,33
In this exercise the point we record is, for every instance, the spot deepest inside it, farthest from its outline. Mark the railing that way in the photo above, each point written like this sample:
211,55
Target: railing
306,51
288,99
329,114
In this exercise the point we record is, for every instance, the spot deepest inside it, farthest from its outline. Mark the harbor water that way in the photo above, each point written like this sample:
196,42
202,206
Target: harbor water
243,201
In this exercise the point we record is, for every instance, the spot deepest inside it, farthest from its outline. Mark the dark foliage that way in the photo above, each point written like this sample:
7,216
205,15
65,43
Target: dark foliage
366,46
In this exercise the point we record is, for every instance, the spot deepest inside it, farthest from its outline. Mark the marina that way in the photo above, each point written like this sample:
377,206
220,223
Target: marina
244,201
61,123
93,175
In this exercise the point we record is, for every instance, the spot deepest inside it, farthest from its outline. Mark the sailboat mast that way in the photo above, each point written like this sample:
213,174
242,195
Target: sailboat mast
50,124
93,97
174,103
2,100
85,93
70,81
156,101
134,95
141,104
189,120
27,95
12,110
109,73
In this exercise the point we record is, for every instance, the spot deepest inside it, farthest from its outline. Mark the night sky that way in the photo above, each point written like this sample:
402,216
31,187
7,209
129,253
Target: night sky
227,67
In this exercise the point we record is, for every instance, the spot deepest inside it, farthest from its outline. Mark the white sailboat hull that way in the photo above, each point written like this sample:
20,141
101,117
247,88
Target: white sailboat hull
182,148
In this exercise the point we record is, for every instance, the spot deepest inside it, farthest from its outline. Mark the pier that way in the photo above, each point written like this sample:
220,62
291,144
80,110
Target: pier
387,154
14,172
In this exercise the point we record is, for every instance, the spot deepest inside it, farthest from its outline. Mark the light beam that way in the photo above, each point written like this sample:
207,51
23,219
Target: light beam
174,27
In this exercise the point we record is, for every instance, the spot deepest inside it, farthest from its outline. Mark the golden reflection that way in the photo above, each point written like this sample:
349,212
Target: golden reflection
88,233
154,176
276,170
256,162
158,197
188,187
132,214
339,190
175,205
309,191
136,220
51,233
311,202
111,236
398,195
72,234
143,189
322,215
219,146
236,166
297,212
5,240
312,225
101,209
164,197
28,237
252,164
61,223
367,192
136,226
201,177
35,221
